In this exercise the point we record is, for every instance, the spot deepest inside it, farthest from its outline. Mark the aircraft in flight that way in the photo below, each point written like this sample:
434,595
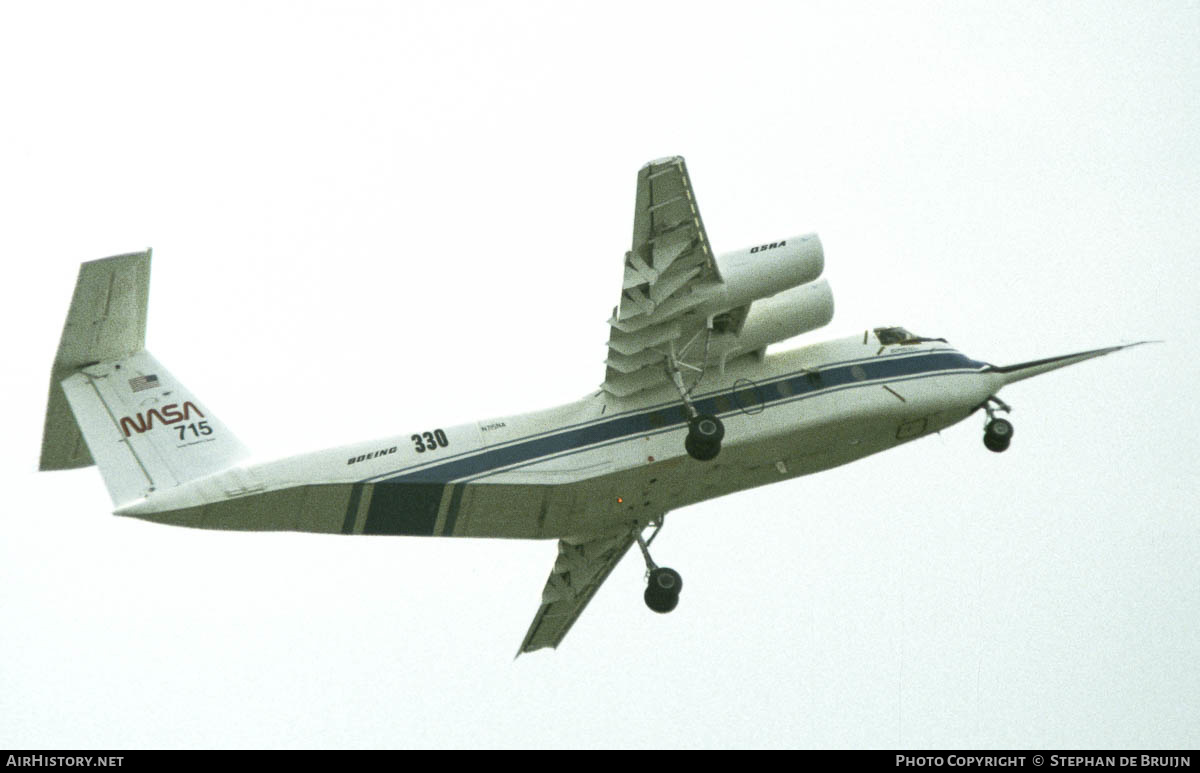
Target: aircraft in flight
692,407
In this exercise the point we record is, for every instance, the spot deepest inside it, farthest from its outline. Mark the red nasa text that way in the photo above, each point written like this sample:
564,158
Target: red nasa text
171,414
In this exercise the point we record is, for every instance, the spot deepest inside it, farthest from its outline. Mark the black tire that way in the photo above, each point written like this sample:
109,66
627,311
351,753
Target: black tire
996,443
660,601
699,450
997,435
666,580
706,429
999,428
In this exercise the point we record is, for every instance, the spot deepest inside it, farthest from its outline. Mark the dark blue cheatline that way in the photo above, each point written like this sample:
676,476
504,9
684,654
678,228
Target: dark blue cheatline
660,418
352,508
452,512
407,502
403,508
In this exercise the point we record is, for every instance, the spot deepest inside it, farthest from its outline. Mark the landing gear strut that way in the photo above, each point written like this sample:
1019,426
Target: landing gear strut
663,585
703,441
997,433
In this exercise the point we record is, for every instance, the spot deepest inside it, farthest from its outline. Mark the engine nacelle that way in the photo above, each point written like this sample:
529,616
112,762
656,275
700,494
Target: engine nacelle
778,318
768,293
769,269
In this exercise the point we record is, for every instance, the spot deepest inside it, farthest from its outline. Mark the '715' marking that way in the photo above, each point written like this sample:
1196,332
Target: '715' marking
199,429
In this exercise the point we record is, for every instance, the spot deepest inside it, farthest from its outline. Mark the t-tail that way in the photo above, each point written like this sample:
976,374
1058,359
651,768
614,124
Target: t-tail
113,405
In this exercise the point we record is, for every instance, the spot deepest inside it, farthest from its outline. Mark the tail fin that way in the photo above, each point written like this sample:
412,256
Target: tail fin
112,404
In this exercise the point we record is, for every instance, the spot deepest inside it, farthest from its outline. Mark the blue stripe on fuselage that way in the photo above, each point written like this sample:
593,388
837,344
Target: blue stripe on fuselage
667,416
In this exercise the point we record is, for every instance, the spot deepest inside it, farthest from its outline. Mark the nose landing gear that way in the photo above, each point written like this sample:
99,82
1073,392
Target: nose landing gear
663,585
997,433
662,592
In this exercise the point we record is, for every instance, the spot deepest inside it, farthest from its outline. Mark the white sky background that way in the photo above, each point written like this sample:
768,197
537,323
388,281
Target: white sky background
370,218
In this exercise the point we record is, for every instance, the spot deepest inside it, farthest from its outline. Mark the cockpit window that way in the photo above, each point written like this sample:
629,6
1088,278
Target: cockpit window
889,336
893,335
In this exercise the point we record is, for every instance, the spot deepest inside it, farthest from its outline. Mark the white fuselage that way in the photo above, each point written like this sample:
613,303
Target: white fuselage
602,462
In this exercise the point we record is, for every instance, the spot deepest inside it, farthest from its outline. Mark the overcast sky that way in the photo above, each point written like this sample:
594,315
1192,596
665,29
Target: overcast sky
370,217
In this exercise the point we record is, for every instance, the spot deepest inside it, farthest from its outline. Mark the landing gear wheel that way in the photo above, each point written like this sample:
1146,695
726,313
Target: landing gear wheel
662,592
997,435
667,580
701,451
660,602
993,443
704,437
708,429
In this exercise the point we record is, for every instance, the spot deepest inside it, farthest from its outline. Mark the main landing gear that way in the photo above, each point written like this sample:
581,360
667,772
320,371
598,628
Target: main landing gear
997,433
663,585
703,441
705,432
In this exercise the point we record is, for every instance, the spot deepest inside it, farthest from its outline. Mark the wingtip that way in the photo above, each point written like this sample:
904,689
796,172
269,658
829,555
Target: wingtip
124,257
663,161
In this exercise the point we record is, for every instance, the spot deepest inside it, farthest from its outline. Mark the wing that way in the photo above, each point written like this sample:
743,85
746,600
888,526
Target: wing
669,271
580,569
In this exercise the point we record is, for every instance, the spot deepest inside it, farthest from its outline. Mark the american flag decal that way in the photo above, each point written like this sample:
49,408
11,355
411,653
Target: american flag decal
143,382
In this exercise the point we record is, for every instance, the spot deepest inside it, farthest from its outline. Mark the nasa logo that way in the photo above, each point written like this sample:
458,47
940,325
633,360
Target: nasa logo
171,414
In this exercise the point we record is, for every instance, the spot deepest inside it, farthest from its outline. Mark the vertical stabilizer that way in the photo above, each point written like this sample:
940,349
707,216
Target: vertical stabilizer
111,403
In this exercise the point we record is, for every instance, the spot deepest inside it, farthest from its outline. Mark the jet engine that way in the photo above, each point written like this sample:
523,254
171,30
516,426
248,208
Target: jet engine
772,293
768,269
778,318
767,293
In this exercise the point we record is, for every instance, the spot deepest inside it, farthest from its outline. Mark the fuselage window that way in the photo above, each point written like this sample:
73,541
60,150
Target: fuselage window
785,388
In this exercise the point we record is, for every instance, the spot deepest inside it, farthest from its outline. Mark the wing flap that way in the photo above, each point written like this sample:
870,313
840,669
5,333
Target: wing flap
671,281
669,271
637,272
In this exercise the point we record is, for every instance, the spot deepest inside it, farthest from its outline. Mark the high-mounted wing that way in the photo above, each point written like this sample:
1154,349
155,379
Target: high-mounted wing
580,569
669,271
